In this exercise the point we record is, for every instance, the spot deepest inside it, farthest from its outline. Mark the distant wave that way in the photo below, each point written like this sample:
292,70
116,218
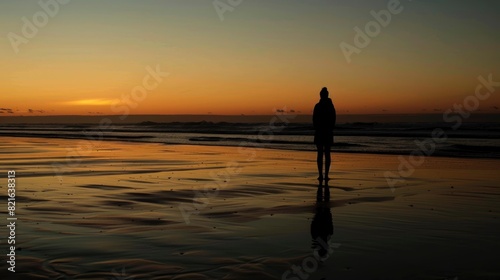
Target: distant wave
485,151
480,140
75,136
250,140
464,147
411,130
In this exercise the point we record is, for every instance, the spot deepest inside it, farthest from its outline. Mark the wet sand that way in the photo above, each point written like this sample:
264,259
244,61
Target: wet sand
118,210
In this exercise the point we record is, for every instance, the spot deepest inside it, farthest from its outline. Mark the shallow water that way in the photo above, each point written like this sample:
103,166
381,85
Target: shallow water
471,140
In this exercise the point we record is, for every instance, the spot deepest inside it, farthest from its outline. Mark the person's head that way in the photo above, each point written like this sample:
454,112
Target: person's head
323,93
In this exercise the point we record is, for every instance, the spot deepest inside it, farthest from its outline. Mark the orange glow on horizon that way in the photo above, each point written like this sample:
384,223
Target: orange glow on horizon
251,65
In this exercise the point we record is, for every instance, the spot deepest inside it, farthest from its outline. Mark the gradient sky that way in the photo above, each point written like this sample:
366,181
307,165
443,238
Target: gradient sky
263,55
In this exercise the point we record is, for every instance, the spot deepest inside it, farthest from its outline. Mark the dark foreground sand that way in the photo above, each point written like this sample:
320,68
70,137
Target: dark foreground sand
111,210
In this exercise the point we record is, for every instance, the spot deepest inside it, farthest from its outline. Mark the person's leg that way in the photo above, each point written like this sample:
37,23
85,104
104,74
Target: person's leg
319,161
328,161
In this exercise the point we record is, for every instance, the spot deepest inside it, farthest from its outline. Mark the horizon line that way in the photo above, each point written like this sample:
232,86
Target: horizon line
242,115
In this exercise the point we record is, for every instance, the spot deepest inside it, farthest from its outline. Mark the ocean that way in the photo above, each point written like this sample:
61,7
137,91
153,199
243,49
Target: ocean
477,140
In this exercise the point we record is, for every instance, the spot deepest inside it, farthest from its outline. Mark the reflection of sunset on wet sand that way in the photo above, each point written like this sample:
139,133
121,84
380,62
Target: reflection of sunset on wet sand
121,206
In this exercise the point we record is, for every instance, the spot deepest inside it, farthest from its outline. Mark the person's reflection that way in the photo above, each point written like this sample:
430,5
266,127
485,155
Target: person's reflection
322,223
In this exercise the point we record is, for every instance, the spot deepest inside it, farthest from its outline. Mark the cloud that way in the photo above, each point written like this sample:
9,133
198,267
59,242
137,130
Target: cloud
91,102
6,110
31,111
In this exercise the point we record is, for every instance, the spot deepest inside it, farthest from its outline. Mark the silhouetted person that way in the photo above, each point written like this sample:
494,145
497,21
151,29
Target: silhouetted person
324,118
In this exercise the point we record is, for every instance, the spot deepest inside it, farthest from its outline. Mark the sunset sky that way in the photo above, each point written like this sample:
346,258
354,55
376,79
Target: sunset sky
255,57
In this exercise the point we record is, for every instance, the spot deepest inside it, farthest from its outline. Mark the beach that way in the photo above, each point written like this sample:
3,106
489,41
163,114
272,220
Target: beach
123,210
